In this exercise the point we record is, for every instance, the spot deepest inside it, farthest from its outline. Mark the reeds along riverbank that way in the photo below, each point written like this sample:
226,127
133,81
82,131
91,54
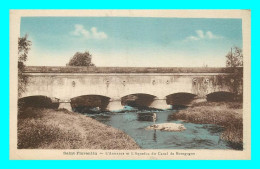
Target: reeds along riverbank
228,115
40,128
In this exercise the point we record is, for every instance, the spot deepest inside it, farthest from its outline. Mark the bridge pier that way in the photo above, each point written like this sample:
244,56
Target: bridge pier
65,105
115,105
160,104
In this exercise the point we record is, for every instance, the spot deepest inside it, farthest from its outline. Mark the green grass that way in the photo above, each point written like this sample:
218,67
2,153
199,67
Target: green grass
228,115
61,129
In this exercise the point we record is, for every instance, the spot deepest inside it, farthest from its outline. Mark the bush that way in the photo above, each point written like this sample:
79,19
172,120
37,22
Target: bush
81,59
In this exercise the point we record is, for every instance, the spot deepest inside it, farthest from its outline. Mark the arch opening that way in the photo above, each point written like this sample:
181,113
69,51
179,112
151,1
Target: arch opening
38,101
138,100
180,100
89,103
221,96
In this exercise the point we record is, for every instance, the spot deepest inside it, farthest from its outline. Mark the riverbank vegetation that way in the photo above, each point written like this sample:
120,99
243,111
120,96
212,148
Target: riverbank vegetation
61,129
226,114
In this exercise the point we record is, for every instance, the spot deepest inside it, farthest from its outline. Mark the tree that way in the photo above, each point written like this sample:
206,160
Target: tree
23,48
235,61
234,58
81,59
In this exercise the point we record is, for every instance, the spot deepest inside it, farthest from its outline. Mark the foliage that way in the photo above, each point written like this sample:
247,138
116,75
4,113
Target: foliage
235,61
234,58
23,48
81,59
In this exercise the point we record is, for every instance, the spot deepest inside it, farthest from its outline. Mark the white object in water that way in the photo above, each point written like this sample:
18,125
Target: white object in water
167,127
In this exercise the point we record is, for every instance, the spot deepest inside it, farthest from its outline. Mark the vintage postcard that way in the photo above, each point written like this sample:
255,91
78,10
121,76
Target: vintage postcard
130,84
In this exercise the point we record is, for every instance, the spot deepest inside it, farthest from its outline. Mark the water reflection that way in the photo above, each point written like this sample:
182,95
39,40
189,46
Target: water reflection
151,116
145,116
154,136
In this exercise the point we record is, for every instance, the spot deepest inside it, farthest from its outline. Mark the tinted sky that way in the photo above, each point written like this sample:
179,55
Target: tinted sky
123,41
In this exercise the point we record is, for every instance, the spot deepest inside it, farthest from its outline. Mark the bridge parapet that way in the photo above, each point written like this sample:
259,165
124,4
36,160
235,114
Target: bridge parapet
73,69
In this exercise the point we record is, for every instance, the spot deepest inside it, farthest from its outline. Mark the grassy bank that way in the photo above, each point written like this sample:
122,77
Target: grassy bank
61,129
228,115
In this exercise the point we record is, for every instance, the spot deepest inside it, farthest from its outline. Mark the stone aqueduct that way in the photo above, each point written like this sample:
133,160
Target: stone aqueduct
65,83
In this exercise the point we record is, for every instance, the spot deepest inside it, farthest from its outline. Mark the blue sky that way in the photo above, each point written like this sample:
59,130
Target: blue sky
126,41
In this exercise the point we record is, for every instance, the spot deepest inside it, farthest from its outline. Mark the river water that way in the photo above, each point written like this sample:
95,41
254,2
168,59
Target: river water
133,122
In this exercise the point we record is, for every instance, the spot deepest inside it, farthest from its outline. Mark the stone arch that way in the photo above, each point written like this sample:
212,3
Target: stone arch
39,101
220,96
89,101
180,98
138,100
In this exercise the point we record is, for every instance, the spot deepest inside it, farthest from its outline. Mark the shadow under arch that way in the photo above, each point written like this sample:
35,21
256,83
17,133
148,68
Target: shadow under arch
221,96
86,102
38,101
138,100
180,99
